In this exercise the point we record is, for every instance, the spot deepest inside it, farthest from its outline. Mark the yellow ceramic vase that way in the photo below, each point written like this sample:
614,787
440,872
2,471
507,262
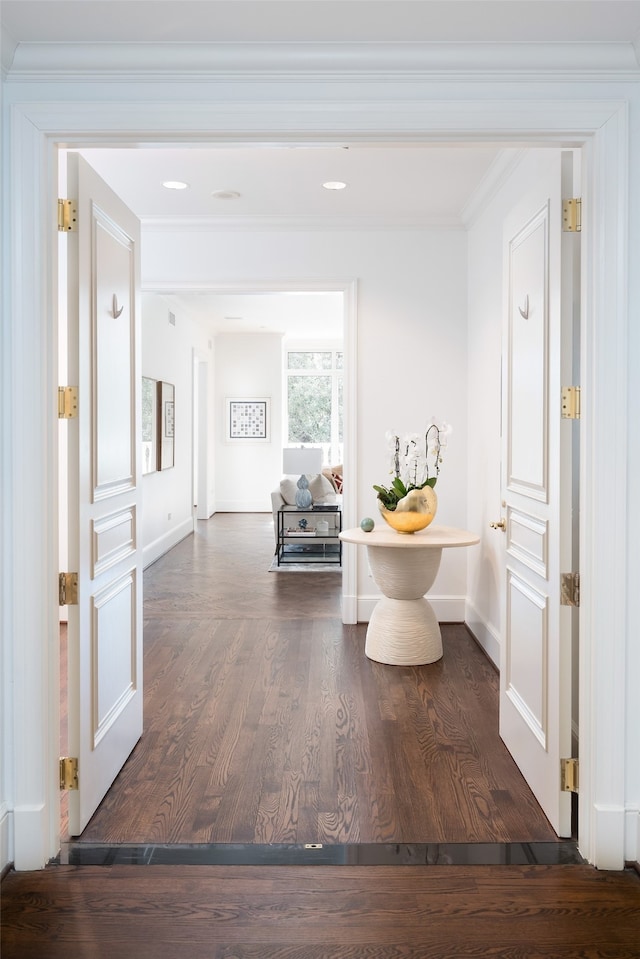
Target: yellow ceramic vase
414,512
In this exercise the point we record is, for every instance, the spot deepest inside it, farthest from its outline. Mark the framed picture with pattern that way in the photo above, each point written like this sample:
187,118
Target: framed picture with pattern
247,420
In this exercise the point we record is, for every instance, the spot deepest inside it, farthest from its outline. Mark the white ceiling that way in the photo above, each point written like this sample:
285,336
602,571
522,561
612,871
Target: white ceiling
413,185
282,186
407,185
322,20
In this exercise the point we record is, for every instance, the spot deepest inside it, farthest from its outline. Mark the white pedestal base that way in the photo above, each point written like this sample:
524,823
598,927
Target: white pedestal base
403,632
403,629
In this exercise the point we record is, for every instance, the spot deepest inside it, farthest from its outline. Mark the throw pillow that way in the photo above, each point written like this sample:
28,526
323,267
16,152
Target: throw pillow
288,490
320,488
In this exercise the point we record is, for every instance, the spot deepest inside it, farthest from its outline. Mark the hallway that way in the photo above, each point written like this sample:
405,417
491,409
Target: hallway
265,722
238,663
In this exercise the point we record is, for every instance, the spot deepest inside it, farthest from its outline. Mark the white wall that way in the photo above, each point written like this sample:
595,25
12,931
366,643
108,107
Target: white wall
484,331
403,106
247,366
412,354
167,354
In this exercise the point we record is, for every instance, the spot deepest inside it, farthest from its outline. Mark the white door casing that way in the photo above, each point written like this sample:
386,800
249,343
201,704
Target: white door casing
104,489
535,655
30,428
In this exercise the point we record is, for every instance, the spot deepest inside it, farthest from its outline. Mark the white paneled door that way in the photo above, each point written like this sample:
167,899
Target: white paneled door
104,491
536,641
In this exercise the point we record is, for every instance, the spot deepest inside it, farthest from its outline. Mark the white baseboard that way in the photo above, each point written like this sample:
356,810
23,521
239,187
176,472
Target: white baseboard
30,831
608,837
632,834
485,634
237,506
349,609
6,836
448,609
167,541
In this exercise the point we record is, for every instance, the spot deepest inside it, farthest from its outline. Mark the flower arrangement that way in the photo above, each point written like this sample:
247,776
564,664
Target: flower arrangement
415,462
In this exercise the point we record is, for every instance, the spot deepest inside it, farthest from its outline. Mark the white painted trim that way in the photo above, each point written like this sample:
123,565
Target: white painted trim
335,62
28,271
350,431
258,285
301,122
603,546
241,506
153,551
608,832
237,224
485,634
632,834
6,836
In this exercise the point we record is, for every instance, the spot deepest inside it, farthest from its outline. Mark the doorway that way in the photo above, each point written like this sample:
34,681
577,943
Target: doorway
226,391
603,125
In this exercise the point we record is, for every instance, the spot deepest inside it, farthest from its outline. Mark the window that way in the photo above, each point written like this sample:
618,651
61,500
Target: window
314,400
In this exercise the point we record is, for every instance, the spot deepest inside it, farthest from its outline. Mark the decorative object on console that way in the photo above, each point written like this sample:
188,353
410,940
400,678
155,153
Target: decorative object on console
410,503
303,460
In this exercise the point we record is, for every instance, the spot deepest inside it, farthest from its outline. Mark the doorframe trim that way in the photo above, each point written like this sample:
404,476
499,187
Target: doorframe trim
30,427
349,290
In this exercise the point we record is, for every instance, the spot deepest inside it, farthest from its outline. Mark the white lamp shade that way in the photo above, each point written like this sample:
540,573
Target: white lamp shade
302,459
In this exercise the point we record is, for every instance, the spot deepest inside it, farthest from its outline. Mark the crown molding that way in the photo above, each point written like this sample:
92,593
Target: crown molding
8,47
226,224
314,60
501,168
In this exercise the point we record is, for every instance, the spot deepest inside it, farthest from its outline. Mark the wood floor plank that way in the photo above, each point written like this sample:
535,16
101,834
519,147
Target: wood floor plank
243,912
266,722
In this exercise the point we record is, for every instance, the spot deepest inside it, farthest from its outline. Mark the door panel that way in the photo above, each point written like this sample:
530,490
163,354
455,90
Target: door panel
535,667
104,492
528,338
112,355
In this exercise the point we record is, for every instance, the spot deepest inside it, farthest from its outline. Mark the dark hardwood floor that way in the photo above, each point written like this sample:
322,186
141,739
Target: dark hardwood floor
322,912
266,723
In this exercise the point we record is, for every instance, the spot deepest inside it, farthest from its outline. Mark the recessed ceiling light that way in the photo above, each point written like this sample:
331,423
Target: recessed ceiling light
334,185
174,185
225,194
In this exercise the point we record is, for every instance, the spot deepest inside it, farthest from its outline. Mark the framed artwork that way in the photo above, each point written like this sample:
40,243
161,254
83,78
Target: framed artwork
166,425
247,420
149,425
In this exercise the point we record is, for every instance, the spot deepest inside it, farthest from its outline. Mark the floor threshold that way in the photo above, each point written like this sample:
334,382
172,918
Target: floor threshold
318,854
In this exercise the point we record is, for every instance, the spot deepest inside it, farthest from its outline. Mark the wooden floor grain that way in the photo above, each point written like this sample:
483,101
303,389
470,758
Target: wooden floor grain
321,912
265,722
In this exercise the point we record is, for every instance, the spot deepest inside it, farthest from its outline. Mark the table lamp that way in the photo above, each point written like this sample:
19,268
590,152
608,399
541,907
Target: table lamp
303,460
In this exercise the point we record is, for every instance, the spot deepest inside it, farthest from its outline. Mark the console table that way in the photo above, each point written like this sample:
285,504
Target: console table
309,545
403,629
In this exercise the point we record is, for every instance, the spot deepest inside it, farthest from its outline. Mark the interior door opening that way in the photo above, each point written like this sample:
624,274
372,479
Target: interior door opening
198,467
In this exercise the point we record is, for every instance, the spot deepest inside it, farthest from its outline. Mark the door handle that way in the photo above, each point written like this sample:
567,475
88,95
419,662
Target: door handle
499,524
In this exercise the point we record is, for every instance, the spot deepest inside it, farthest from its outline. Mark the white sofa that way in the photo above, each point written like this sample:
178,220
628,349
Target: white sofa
322,490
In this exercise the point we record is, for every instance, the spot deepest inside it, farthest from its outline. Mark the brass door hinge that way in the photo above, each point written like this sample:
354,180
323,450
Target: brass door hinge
68,773
570,589
569,770
67,216
67,402
68,589
571,408
572,215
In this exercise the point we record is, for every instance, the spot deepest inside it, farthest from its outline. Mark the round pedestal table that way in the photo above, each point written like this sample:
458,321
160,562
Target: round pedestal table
403,629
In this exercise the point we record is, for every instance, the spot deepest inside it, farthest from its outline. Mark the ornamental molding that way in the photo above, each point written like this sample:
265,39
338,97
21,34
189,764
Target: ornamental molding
365,61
